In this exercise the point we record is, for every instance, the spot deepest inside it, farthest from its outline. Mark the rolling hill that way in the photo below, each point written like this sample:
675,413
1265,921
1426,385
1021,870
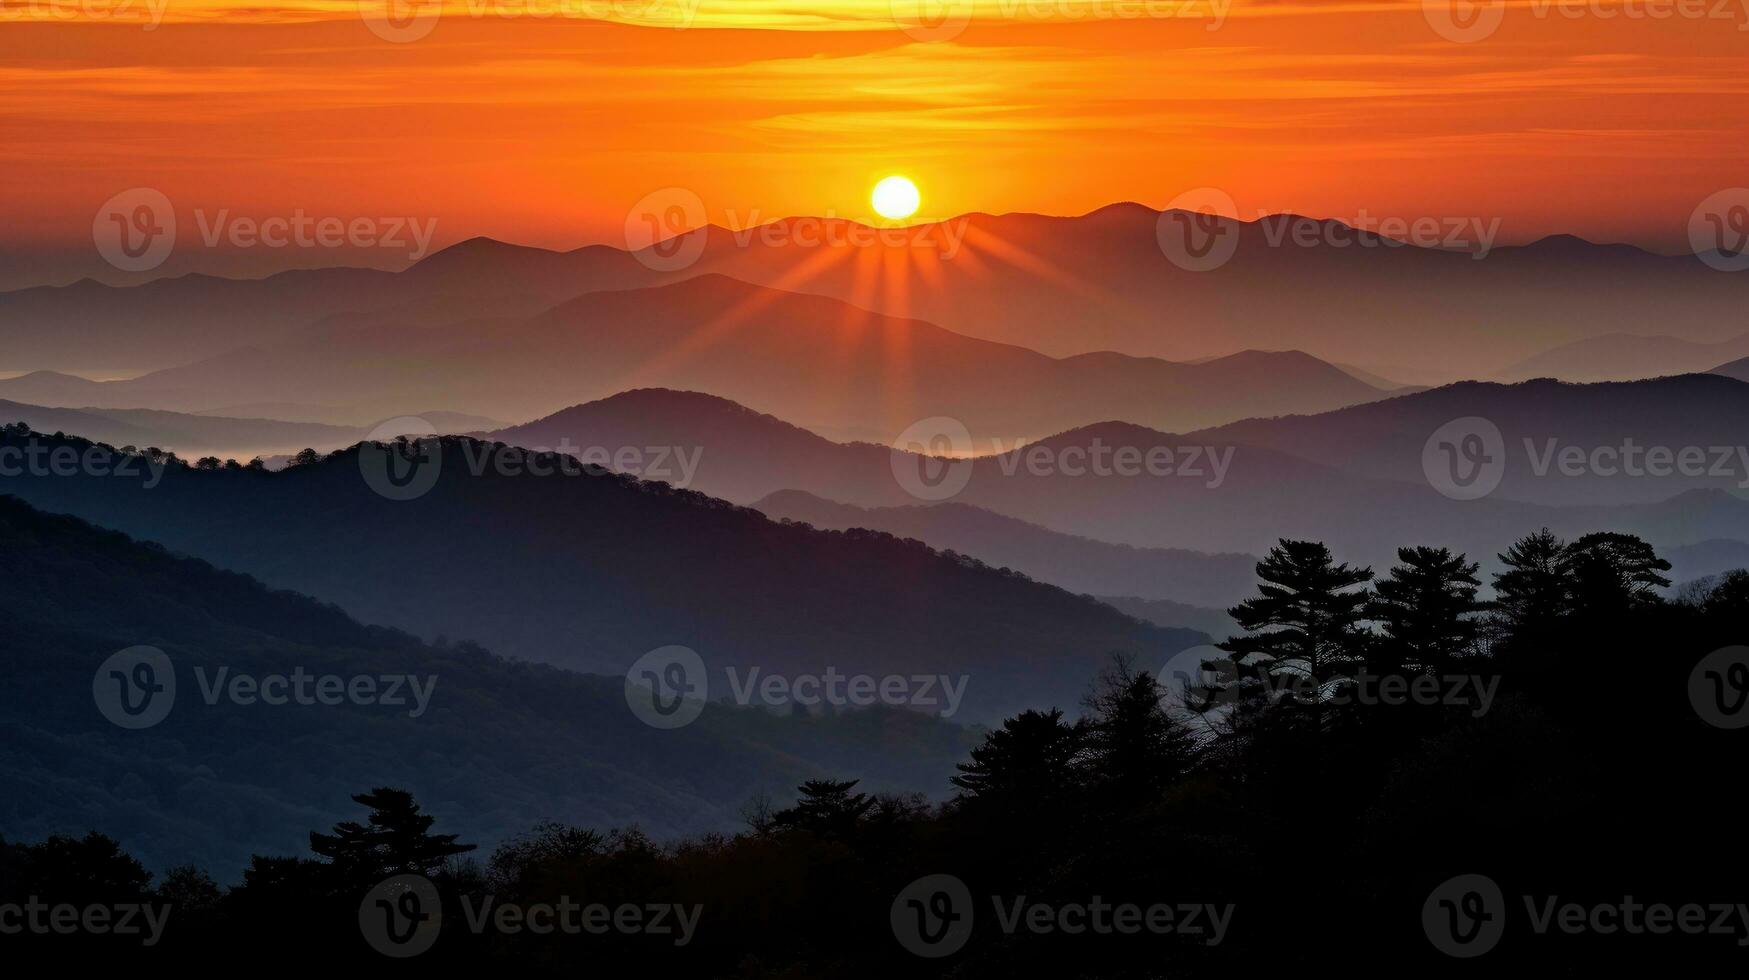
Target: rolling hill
1353,478
592,570
500,746
1385,439
812,360
1625,357
1077,564
1063,286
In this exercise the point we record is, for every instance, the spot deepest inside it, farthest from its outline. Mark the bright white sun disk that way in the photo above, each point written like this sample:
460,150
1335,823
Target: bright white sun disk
895,198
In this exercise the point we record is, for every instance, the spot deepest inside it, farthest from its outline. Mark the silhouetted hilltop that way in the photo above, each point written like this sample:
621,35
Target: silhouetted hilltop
592,570
1625,357
809,359
1385,439
741,455
1059,285
499,746
1075,563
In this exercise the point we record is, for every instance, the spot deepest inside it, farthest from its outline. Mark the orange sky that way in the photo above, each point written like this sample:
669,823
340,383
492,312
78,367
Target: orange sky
547,129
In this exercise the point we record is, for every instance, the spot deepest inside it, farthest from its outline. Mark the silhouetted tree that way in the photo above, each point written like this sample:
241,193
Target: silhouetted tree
1611,571
188,888
397,839
1307,610
1729,594
1029,761
547,847
827,808
1537,585
1426,608
93,868
1135,749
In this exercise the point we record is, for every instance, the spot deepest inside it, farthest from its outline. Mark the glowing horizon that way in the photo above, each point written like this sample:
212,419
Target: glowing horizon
548,131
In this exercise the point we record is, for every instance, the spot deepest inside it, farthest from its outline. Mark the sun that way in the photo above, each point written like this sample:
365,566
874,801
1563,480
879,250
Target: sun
895,198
